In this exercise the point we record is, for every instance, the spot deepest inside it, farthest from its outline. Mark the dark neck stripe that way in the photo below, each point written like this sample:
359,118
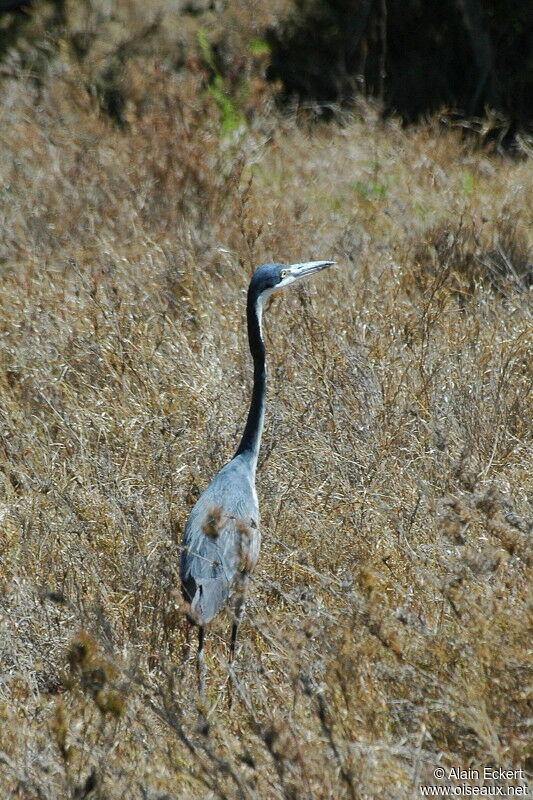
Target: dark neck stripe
252,431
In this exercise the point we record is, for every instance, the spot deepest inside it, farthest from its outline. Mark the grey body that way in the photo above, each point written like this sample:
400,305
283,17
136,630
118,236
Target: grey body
221,541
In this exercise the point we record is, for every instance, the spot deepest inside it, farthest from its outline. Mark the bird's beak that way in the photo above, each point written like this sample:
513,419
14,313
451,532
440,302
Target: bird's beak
293,272
302,270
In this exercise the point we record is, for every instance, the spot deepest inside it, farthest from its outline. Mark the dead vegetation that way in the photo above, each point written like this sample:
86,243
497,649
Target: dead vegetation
387,626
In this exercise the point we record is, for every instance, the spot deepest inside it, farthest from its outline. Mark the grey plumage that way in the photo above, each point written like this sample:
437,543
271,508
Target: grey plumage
221,540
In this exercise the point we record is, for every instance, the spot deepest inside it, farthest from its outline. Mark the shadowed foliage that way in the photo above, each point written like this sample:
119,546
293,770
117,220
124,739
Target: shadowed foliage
416,57
473,58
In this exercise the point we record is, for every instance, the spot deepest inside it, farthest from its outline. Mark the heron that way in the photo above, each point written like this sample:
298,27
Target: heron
221,539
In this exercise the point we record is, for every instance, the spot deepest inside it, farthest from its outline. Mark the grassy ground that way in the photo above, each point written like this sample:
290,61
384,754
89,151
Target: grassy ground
387,625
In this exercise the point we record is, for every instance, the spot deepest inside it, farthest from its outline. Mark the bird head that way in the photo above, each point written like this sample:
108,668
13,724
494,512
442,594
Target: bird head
270,278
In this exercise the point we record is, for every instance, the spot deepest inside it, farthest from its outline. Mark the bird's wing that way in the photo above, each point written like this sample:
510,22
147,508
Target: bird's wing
220,545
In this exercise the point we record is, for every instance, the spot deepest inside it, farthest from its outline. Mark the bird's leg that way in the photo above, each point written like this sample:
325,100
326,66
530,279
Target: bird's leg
185,653
200,663
238,611
234,629
203,724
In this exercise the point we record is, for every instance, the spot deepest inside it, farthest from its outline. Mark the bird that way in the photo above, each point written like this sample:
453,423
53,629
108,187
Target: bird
221,538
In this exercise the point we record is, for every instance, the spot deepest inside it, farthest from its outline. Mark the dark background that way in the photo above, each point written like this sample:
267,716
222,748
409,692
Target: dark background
417,56
472,57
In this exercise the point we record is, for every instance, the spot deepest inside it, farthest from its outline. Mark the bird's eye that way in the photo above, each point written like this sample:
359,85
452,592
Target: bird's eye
283,273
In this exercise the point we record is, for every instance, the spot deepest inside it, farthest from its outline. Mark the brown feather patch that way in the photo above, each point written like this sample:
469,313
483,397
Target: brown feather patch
243,529
213,523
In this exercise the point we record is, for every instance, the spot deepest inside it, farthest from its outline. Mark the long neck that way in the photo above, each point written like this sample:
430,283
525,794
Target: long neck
251,438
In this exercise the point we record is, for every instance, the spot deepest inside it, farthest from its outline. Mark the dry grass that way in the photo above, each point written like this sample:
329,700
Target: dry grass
387,626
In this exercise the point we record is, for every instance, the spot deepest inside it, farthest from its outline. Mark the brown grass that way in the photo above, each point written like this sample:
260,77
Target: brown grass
387,624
